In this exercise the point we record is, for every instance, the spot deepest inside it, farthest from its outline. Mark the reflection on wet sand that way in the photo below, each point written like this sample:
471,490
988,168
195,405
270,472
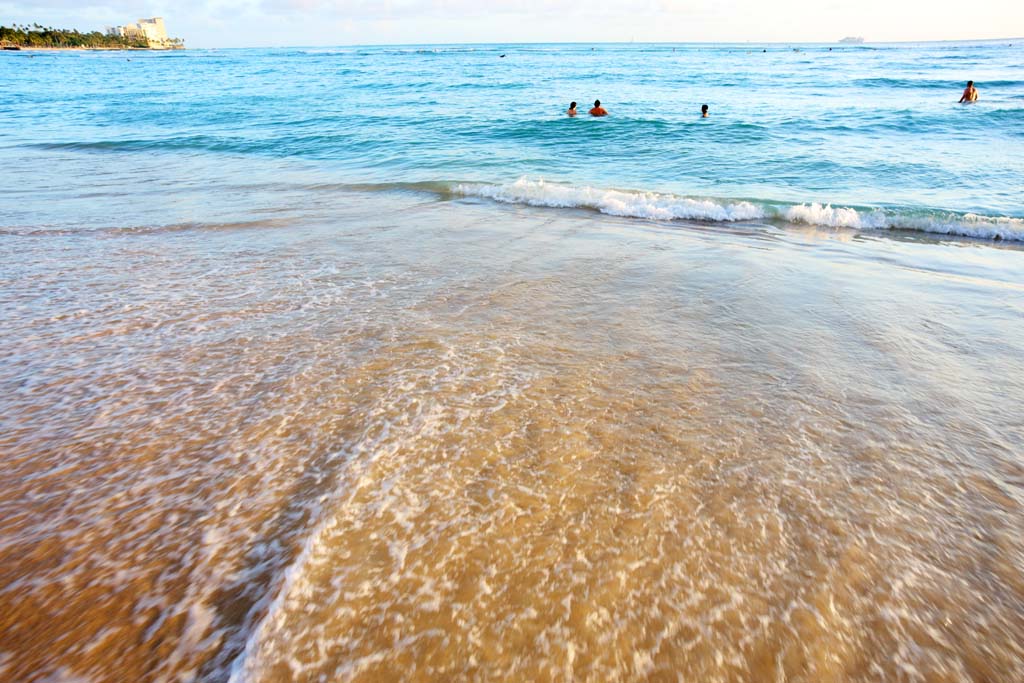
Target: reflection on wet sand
466,442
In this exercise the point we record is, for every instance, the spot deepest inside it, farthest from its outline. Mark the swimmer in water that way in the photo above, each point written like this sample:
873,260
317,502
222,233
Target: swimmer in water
572,109
970,93
704,111
598,110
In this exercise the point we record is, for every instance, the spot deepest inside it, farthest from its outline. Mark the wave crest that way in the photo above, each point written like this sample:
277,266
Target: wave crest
661,206
612,202
941,223
834,217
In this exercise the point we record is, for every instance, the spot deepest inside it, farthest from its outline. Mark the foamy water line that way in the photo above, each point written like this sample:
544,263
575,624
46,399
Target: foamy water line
668,207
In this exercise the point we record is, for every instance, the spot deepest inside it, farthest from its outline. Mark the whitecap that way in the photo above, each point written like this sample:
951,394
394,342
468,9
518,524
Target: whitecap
631,204
663,206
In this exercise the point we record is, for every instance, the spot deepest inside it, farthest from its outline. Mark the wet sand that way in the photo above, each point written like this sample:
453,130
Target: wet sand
407,439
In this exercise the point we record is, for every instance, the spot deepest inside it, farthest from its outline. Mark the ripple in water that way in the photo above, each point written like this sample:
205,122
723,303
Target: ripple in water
426,440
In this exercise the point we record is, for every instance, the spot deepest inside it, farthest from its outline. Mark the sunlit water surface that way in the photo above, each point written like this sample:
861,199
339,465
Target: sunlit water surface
258,424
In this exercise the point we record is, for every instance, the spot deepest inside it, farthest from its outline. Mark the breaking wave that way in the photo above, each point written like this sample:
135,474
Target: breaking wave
612,202
668,207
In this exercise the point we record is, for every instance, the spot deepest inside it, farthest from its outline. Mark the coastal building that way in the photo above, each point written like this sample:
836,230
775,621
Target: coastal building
152,31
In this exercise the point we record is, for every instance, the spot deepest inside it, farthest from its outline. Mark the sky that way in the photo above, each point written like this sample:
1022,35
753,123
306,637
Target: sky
260,23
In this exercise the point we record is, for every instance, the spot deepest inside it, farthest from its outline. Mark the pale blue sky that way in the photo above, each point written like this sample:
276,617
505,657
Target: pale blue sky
237,23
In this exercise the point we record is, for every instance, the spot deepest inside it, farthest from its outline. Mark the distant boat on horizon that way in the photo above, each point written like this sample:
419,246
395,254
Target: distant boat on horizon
852,40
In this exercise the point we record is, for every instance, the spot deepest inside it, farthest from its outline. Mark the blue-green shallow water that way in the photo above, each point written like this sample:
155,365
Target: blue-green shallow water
865,137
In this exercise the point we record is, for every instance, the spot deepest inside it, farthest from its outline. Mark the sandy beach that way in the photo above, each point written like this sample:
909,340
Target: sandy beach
564,436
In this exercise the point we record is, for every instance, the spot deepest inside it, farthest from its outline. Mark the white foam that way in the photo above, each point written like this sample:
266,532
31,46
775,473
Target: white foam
833,217
968,225
946,223
660,206
612,202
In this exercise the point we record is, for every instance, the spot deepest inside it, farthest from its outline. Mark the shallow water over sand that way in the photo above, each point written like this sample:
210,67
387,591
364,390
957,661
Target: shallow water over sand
385,437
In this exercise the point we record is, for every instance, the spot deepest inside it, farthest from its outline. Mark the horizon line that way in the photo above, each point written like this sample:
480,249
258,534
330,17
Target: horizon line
631,42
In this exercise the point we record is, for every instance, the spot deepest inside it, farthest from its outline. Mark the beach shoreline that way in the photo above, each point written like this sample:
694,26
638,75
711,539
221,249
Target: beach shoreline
93,49
317,368
492,417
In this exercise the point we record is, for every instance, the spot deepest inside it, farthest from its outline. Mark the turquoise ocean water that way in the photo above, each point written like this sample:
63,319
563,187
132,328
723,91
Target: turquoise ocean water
866,137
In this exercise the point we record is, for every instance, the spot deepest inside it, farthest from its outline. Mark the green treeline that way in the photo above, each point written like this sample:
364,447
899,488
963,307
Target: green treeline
43,36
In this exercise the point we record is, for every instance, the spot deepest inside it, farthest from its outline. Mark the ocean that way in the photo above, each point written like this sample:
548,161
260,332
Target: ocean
369,364
864,137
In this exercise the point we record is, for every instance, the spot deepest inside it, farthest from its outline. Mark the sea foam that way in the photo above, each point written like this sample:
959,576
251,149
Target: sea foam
667,207
941,223
612,202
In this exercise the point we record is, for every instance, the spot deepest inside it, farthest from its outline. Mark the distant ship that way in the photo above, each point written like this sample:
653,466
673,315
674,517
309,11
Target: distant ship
852,40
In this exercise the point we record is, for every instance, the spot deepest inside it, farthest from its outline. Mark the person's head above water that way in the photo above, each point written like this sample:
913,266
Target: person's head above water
703,110
598,110
597,103
572,105
970,93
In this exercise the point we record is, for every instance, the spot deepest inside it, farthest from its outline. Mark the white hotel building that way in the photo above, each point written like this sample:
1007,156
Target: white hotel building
152,31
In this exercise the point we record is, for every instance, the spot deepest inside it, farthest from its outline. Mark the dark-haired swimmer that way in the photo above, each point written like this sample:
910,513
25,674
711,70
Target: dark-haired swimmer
704,111
970,93
572,109
598,110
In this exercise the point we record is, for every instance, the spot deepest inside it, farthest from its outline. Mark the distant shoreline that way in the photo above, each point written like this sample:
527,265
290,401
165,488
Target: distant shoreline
22,48
699,43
